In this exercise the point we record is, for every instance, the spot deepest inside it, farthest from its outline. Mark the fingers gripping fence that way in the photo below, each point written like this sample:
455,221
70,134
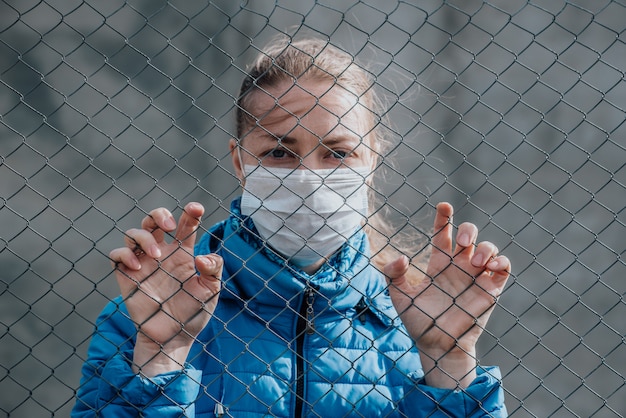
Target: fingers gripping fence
513,111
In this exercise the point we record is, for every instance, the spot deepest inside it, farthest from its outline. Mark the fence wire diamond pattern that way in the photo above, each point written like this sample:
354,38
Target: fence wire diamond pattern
511,110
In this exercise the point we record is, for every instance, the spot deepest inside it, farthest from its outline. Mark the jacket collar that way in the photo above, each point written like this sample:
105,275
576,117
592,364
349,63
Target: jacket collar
253,273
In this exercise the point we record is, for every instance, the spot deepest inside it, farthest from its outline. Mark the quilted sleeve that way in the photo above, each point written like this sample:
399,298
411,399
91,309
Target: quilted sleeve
108,385
483,398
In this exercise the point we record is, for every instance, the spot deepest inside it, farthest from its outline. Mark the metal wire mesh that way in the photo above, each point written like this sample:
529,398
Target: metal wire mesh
511,110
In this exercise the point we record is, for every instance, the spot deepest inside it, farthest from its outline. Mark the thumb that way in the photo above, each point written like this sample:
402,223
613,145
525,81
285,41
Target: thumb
210,267
396,270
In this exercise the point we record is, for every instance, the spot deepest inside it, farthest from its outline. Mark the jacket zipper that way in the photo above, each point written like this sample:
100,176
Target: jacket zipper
305,326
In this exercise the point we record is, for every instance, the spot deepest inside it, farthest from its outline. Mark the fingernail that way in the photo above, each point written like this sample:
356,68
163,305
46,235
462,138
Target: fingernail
207,261
477,260
463,240
492,265
156,251
170,223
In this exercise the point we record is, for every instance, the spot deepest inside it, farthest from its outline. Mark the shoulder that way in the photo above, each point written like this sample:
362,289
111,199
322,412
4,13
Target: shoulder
114,333
114,315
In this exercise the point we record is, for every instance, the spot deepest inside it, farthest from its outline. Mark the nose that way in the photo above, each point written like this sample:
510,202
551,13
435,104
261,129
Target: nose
309,163
310,158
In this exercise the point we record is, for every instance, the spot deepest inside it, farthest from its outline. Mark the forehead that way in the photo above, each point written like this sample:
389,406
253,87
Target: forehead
320,107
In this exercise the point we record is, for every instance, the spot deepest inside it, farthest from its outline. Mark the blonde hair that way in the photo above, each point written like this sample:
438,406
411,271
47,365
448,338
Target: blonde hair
311,58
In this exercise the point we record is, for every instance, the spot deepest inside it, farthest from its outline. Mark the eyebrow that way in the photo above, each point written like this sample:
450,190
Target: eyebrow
328,140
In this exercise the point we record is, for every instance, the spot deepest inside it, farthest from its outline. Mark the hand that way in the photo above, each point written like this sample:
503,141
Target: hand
169,301
447,311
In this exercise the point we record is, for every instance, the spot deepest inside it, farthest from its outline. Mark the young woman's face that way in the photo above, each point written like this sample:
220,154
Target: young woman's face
310,125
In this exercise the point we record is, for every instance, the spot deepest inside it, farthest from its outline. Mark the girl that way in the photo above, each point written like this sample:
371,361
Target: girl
297,304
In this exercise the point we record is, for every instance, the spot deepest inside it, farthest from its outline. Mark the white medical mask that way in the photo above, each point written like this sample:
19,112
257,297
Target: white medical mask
305,215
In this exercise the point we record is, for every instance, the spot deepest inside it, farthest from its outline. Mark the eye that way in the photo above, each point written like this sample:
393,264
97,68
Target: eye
278,153
340,148
339,154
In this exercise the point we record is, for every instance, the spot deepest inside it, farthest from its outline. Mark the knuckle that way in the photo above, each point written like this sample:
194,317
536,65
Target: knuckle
155,216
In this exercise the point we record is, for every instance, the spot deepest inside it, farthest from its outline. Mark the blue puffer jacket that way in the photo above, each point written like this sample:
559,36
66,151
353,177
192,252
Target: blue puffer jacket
281,343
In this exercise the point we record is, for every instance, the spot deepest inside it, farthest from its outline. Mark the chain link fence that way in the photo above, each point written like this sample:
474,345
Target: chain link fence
511,110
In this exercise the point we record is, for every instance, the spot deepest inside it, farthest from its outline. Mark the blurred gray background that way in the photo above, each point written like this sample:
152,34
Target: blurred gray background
511,110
